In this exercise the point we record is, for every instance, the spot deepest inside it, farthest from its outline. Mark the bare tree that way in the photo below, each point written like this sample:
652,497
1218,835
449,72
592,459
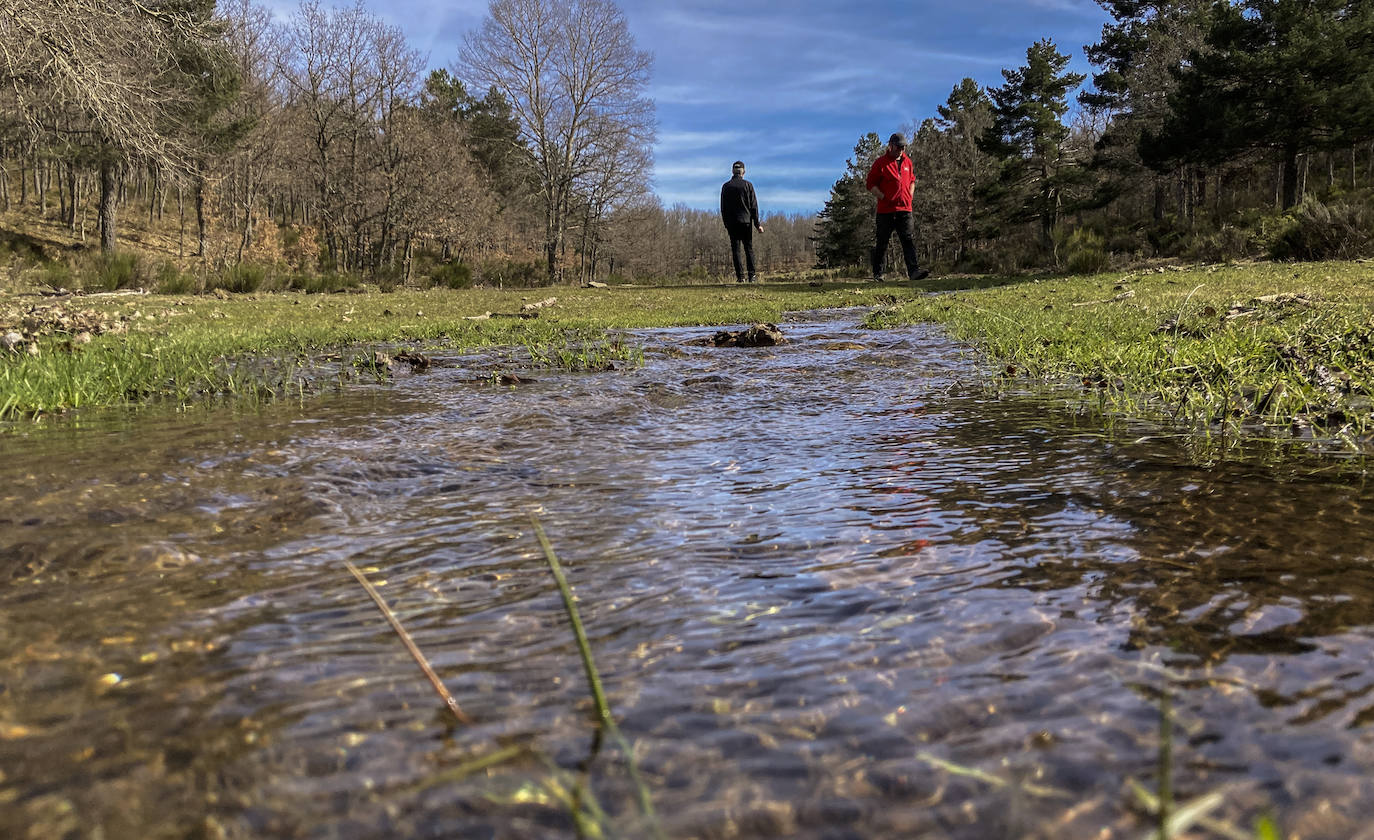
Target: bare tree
103,65
575,80
398,69
255,46
347,73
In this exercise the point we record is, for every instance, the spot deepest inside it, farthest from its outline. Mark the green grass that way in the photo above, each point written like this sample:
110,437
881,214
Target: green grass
1270,348
184,348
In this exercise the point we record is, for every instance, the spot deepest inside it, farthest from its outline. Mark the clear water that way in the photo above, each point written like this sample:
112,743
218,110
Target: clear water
835,589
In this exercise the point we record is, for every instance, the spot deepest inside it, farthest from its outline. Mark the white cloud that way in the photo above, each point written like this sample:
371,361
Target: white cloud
673,140
787,87
683,170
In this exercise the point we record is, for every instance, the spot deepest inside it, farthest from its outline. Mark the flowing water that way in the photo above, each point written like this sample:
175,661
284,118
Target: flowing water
838,588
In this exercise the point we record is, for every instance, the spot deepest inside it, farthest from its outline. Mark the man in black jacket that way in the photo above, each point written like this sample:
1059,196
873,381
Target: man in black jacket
739,209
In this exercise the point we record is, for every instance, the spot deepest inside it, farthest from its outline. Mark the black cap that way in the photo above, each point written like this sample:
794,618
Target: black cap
897,139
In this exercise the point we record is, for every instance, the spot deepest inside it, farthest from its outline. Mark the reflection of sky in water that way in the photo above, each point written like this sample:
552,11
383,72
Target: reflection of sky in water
814,576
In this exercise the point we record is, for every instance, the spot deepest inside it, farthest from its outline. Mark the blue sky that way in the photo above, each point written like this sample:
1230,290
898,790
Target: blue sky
789,87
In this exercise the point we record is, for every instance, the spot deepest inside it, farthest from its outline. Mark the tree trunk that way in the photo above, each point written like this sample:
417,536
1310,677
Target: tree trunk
551,258
1199,191
73,187
1305,162
200,216
108,190
61,192
1289,178
181,218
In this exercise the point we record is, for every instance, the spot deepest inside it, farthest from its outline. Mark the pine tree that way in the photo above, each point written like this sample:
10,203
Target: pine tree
844,229
491,130
1027,137
964,118
1137,56
1290,76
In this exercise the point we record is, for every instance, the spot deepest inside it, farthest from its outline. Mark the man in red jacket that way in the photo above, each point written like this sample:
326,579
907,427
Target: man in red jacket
893,181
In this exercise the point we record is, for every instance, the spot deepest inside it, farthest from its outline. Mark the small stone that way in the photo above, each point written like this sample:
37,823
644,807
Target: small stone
11,340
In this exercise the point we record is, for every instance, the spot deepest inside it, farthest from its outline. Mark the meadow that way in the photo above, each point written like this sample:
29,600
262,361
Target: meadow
1262,348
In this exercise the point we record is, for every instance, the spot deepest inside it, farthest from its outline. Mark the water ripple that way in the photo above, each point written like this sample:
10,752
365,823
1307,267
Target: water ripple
827,584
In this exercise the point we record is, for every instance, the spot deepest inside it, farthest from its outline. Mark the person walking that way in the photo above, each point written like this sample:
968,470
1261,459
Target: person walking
739,210
893,180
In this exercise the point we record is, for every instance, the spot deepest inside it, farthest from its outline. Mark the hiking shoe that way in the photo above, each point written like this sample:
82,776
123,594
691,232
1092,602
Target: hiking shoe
877,278
920,275
753,278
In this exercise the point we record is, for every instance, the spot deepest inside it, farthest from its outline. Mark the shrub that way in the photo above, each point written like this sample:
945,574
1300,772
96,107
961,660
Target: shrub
1227,244
454,275
389,277
20,249
329,282
697,274
300,247
58,275
242,278
118,271
266,246
1128,243
1164,238
514,273
977,261
1085,252
1315,231
170,280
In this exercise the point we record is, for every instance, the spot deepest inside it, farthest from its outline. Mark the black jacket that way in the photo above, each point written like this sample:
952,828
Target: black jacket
738,205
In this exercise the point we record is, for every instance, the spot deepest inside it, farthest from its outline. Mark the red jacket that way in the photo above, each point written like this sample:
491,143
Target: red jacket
895,177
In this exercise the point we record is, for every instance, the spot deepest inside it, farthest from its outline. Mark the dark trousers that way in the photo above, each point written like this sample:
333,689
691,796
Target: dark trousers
900,224
741,235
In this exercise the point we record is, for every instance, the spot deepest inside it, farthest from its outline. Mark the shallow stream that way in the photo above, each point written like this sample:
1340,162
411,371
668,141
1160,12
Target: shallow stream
838,588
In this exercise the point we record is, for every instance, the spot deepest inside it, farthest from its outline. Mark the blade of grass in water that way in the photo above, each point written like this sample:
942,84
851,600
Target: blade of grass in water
1166,760
410,645
1182,817
603,708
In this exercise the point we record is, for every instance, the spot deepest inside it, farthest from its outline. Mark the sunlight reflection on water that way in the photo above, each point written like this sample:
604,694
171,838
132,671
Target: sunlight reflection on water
818,579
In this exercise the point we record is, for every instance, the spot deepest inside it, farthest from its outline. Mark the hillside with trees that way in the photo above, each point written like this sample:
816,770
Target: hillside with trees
219,145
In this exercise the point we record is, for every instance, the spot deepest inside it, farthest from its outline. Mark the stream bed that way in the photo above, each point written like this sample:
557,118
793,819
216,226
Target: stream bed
838,588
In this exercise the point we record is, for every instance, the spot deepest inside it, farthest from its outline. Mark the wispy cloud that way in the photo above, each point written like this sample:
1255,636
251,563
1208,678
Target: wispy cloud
692,139
790,87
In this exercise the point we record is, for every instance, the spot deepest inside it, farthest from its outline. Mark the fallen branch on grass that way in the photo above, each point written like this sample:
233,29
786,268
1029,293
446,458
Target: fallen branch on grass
1126,295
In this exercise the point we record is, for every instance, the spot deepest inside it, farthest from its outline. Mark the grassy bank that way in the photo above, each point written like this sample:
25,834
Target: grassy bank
1272,348
104,350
